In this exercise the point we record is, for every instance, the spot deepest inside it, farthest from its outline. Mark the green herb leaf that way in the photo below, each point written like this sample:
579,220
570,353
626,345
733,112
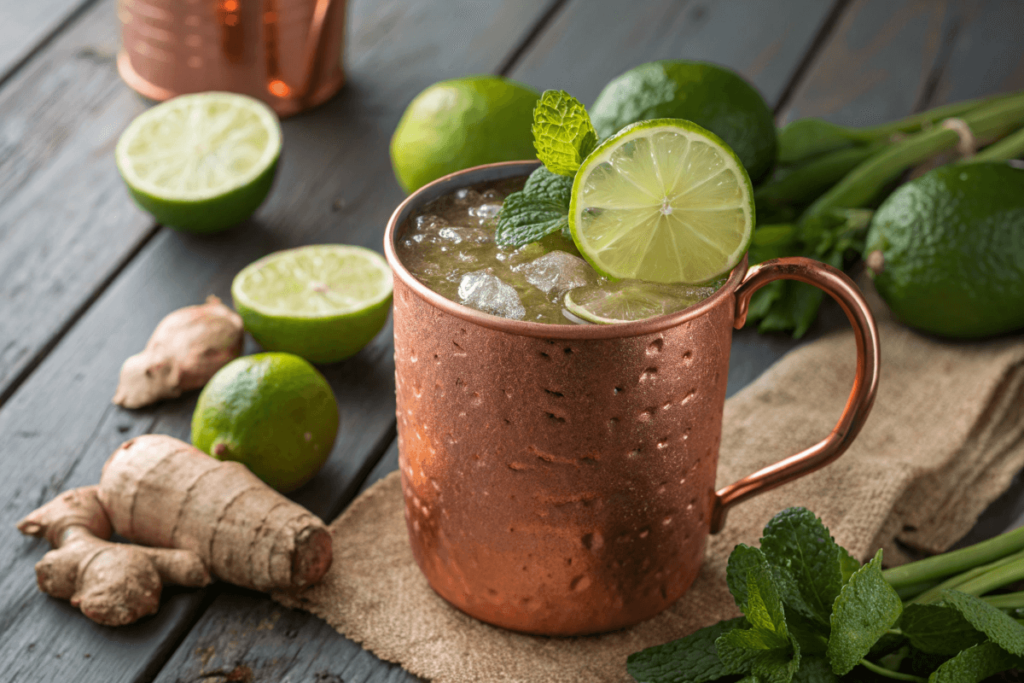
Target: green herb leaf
848,563
562,132
811,636
1001,629
975,664
866,608
815,670
742,559
798,544
804,139
938,630
541,208
693,659
766,649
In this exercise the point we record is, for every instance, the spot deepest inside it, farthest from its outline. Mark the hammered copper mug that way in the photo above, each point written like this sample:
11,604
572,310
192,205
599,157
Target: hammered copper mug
287,53
560,479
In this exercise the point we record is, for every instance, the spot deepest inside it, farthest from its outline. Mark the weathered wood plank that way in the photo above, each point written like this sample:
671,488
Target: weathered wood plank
589,43
986,54
65,219
335,184
876,65
26,25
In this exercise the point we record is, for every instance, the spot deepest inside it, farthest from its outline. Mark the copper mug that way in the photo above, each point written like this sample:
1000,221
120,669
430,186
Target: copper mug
287,53
559,479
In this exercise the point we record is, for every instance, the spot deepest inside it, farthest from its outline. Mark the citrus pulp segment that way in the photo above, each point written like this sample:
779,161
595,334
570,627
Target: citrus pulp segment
202,162
629,300
662,201
322,302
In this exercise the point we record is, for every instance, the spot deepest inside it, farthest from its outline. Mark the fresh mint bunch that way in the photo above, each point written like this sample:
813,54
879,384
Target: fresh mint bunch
563,137
813,614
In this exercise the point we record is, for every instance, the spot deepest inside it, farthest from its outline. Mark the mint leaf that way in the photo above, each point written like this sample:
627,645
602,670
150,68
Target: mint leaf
693,659
1001,629
562,132
741,560
815,670
766,649
975,664
798,544
848,563
938,630
541,208
866,608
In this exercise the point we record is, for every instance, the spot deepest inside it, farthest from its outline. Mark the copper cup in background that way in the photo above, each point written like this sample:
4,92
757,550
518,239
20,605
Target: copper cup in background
560,479
287,53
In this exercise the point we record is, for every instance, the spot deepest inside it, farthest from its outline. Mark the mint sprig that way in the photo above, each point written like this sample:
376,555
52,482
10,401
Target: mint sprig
538,210
562,132
813,614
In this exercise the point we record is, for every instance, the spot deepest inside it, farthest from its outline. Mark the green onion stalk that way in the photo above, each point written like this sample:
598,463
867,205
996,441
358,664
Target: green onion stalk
977,570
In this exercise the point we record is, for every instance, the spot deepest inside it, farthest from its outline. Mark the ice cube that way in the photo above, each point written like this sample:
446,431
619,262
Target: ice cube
557,272
485,210
484,291
457,235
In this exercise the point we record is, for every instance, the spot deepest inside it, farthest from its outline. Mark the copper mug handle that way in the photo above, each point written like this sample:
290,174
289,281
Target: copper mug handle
841,288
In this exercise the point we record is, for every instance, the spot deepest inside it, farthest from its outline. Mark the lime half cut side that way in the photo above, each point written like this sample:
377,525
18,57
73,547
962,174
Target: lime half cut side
629,300
203,162
323,302
662,201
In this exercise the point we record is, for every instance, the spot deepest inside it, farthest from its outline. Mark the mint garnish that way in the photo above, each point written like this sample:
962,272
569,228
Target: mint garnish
1000,628
693,659
937,630
975,664
541,208
562,132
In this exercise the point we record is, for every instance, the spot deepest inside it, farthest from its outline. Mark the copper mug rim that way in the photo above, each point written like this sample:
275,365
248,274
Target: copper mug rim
452,182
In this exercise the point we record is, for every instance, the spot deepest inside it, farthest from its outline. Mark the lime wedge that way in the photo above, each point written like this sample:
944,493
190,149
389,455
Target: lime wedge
630,300
203,162
323,302
662,201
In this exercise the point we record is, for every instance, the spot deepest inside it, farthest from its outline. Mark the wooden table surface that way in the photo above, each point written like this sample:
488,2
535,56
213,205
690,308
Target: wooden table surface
85,275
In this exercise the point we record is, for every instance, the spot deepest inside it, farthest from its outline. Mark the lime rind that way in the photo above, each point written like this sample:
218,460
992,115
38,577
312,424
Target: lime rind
662,201
198,147
630,300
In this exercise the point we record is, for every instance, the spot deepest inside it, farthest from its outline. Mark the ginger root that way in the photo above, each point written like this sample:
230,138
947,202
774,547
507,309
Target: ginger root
183,353
202,515
112,583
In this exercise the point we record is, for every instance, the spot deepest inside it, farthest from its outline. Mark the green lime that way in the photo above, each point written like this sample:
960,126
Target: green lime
662,201
203,162
461,123
711,96
946,250
323,302
629,300
272,412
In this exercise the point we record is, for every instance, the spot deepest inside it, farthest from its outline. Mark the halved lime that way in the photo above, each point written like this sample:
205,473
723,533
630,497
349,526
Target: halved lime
629,300
323,302
662,201
203,162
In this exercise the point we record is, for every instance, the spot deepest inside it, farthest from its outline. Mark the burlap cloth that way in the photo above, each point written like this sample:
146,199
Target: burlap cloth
944,440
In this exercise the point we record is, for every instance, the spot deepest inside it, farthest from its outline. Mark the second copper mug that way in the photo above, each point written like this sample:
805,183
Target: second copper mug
560,479
287,53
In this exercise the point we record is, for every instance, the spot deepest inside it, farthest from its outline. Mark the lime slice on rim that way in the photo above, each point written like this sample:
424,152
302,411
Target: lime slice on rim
203,162
662,201
323,302
630,300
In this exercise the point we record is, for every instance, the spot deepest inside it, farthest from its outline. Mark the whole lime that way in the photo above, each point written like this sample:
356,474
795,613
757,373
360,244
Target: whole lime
462,123
711,96
946,251
272,412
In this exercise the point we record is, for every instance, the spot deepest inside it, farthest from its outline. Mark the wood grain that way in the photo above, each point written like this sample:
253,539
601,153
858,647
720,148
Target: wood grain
28,25
590,42
335,185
